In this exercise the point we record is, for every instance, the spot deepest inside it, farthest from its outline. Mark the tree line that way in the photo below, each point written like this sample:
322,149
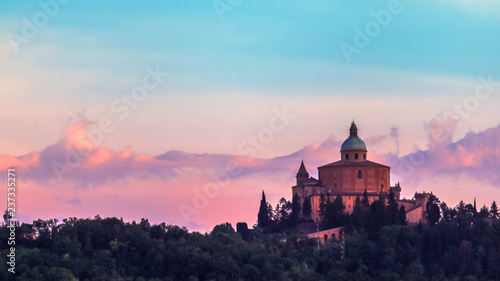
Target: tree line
458,243
453,243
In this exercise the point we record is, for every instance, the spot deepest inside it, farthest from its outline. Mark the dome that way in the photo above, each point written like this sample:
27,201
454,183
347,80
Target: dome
353,143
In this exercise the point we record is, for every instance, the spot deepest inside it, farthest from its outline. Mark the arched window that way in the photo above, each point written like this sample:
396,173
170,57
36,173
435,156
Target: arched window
360,174
325,238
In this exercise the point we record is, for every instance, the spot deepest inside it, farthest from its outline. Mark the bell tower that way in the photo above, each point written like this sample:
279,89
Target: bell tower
302,174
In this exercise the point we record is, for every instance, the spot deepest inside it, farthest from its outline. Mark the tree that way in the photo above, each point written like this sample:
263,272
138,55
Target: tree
402,216
484,212
365,201
306,208
271,214
448,213
294,216
379,215
393,207
494,210
334,213
461,210
338,210
357,213
433,211
322,206
283,212
223,228
263,216
357,208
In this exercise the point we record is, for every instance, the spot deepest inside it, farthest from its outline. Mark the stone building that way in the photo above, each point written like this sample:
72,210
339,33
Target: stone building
350,177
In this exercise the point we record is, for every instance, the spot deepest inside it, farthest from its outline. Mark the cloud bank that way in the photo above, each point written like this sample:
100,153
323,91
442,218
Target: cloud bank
201,190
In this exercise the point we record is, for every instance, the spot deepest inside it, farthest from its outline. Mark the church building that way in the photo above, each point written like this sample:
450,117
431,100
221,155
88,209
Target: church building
350,177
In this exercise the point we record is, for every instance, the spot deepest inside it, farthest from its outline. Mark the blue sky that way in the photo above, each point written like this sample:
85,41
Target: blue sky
262,44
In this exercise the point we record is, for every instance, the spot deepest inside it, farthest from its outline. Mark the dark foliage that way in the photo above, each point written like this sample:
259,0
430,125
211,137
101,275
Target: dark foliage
462,245
263,215
307,209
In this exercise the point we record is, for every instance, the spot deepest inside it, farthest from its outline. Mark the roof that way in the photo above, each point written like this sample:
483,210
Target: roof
347,163
310,182
352,193
302,168
353,143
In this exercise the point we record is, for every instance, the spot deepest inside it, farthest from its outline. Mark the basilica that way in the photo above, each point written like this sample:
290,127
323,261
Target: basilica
350,177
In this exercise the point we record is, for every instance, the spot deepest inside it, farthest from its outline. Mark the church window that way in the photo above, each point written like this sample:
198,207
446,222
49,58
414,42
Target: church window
356,156
347,156
360,174
364,156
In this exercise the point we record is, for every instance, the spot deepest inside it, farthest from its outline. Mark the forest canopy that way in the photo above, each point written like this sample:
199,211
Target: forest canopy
463,244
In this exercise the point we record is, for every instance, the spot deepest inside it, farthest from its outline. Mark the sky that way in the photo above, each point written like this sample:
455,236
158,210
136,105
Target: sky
184,111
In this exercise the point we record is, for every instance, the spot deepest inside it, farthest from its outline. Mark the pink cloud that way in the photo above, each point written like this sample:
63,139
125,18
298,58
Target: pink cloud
476,155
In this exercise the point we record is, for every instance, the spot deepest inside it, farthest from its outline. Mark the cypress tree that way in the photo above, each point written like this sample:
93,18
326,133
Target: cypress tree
338,211
393,207
307,208
365,201
357,213
402,215
356,210
263,216
322,206
295,210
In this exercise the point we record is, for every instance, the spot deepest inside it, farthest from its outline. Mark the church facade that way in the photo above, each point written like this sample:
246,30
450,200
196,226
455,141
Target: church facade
350,177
